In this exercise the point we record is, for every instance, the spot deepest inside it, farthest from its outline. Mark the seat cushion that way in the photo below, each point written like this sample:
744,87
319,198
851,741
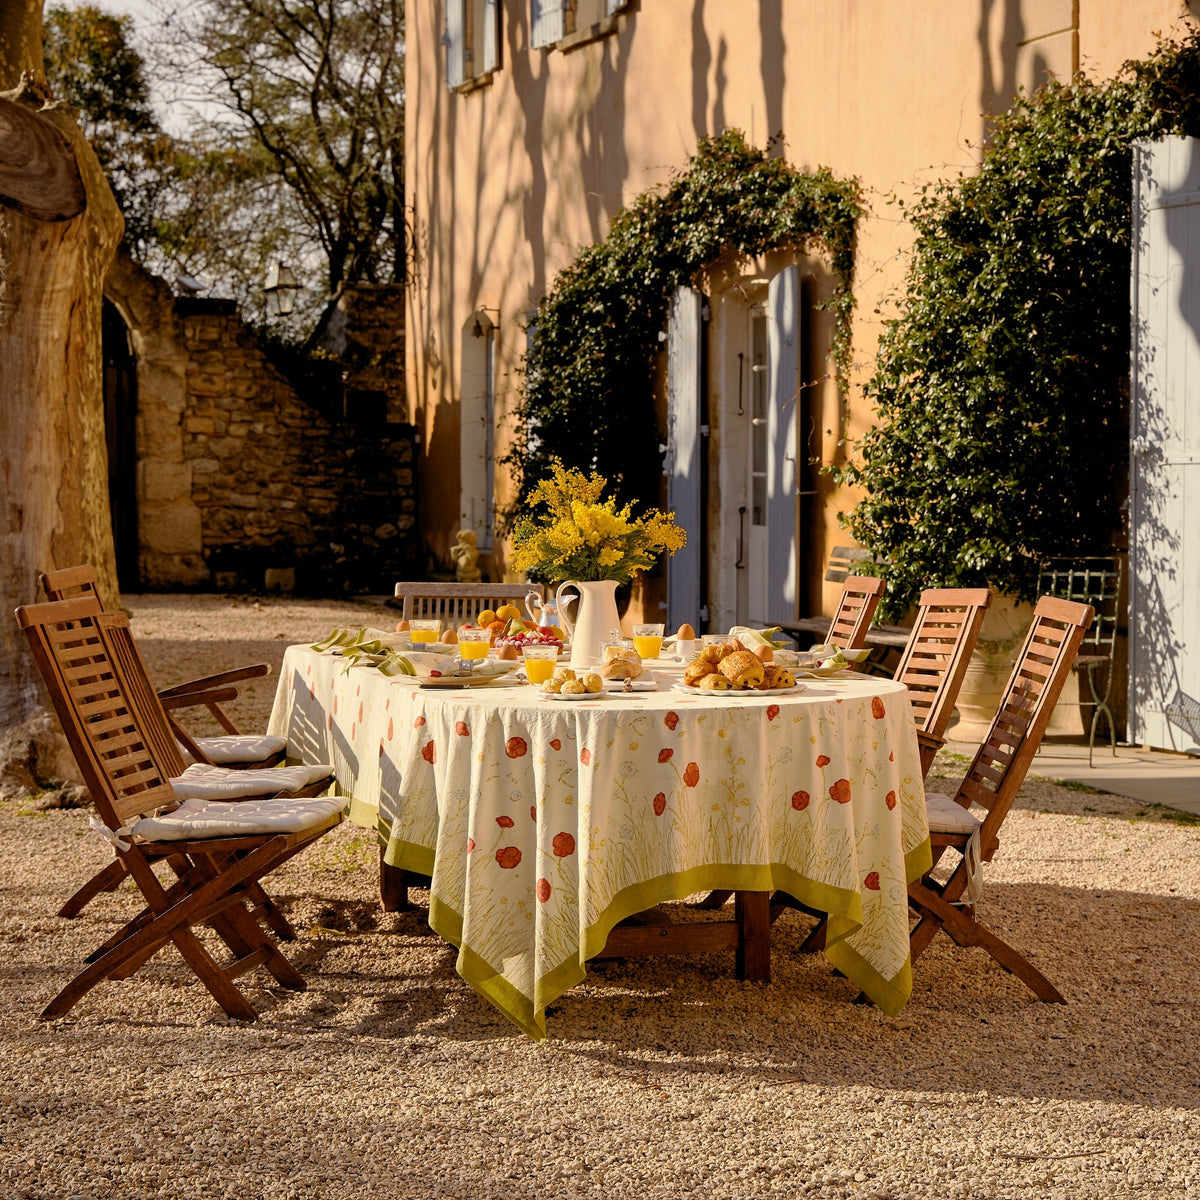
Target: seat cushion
218,818
947,817
203,782
239,748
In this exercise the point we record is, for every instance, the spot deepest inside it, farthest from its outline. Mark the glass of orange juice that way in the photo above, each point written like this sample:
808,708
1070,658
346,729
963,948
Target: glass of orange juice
473,646
648,639
424,629
540,662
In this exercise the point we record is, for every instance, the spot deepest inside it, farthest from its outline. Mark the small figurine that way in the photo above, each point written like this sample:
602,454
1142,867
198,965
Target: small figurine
465,555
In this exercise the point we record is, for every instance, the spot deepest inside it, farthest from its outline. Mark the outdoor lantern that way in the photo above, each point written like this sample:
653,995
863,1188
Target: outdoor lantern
281,290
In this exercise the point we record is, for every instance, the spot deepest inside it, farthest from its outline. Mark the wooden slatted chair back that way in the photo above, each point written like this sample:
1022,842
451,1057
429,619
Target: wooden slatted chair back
1041,670
860,599
934,662
102,723
70,583
457,603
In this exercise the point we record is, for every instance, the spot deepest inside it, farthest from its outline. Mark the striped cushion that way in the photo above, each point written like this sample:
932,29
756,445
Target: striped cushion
215,818
203,782
947,817
239,748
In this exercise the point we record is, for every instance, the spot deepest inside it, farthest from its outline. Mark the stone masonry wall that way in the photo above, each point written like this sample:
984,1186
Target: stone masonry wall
280,487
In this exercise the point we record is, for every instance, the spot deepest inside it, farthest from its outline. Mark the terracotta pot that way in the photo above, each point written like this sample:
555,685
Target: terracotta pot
1000,640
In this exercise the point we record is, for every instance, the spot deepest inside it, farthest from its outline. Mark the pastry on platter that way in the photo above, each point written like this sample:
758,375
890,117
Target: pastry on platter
714,654
743,670
715,682
776,676
697,670
621,662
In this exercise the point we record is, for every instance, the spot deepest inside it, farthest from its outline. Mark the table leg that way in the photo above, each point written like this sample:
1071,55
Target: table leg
393,886
753,916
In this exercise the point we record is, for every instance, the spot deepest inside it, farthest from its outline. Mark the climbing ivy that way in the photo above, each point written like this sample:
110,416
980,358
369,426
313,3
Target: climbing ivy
1002,384
589,371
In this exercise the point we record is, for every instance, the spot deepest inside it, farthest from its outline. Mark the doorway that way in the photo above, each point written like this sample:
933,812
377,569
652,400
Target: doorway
120,430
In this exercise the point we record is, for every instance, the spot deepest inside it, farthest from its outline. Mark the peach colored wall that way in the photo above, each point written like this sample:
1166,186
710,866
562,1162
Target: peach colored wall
508,181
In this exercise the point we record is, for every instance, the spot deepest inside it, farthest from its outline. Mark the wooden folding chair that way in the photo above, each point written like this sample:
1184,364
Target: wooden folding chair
269,783
234,749
992,782
219,852
457,603
935,660
860,598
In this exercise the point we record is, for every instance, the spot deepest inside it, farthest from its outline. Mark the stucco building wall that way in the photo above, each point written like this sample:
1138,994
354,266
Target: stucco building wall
509,179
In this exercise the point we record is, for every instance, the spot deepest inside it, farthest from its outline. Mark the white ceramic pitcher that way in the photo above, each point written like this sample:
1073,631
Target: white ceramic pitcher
595,617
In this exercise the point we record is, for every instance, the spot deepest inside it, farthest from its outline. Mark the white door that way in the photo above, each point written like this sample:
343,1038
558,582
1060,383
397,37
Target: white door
756,542
1164,549
685,322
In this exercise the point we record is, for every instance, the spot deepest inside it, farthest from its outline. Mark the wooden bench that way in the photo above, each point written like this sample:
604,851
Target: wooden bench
844,561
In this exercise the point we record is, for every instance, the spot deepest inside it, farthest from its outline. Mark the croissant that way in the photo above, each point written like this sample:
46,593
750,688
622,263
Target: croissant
697,670
742,669
715,682
714,654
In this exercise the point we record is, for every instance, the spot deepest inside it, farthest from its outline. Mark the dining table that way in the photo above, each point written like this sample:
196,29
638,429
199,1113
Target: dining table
544,823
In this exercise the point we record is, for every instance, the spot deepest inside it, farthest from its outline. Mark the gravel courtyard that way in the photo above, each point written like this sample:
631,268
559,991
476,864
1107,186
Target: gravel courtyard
390,1078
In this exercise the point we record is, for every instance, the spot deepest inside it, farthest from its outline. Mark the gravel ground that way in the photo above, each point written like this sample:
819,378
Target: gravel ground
391,1078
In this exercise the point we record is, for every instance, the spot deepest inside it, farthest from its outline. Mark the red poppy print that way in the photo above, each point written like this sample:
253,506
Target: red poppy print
891,756
470,844
543,890
585,757
312,691
418,722
391,729
664,755
555,744
800,801
841,791
823,760
772,711
460,727
877,709
381,747
353,730
329,721
890,800
508,857
660,804
671,721
516,747
360,710
505,822
429,752
871,883
691,774
563,845
335,704
533,812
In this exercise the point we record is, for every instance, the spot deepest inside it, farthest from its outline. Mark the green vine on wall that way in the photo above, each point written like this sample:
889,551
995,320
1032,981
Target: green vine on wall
589,372
1002,385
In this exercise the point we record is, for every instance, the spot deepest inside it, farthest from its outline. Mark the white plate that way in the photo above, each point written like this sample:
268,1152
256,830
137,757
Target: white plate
695,691
484,673
822,672
571,696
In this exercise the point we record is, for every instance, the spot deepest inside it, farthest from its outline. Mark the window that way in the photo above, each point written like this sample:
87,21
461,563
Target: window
472,40
551,21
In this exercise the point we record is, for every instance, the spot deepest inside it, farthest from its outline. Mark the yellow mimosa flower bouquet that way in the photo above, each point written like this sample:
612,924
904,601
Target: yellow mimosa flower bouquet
581,536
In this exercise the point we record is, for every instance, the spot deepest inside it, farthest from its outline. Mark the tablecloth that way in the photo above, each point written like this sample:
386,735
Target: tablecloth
544,823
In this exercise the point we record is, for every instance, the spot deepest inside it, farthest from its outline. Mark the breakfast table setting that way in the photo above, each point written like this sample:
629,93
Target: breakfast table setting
552,796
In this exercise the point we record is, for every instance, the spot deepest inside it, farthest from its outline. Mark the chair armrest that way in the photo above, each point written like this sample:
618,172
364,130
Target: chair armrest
928,745
220,679
199,699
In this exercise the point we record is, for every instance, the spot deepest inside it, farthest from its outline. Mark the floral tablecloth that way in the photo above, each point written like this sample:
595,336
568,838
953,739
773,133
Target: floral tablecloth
544,823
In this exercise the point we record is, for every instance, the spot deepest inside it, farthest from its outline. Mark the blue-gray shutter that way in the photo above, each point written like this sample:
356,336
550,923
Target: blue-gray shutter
489,52
682,466
456,42
545,22
783,356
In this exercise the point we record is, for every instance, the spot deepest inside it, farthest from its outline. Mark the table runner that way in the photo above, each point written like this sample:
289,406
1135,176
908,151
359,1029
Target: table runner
544,823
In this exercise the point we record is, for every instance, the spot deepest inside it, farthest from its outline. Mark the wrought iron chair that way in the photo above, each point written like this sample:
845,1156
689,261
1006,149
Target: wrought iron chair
1094,581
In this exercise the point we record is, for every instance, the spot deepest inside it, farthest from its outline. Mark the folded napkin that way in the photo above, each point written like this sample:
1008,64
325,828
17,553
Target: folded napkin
371,646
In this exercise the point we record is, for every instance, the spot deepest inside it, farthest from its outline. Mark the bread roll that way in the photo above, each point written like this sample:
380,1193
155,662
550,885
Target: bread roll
621,663
742,669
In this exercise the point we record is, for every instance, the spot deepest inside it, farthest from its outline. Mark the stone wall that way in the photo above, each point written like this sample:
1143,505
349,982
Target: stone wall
242,472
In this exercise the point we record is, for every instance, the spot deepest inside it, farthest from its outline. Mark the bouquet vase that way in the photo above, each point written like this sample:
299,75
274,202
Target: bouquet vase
595,618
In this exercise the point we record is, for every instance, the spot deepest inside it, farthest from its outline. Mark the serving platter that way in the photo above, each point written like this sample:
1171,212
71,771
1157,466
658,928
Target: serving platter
695,691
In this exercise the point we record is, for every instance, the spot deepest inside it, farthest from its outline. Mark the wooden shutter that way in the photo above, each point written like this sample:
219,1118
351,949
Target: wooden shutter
783,357
456,42
1164,552
545,22
488,54
682,465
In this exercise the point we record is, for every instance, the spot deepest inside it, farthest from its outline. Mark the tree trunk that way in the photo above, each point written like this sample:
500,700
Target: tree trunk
59,228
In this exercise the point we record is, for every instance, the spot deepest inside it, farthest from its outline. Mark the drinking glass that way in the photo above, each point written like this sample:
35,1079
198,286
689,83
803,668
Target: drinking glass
648,639
540,662
473,646
424,629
